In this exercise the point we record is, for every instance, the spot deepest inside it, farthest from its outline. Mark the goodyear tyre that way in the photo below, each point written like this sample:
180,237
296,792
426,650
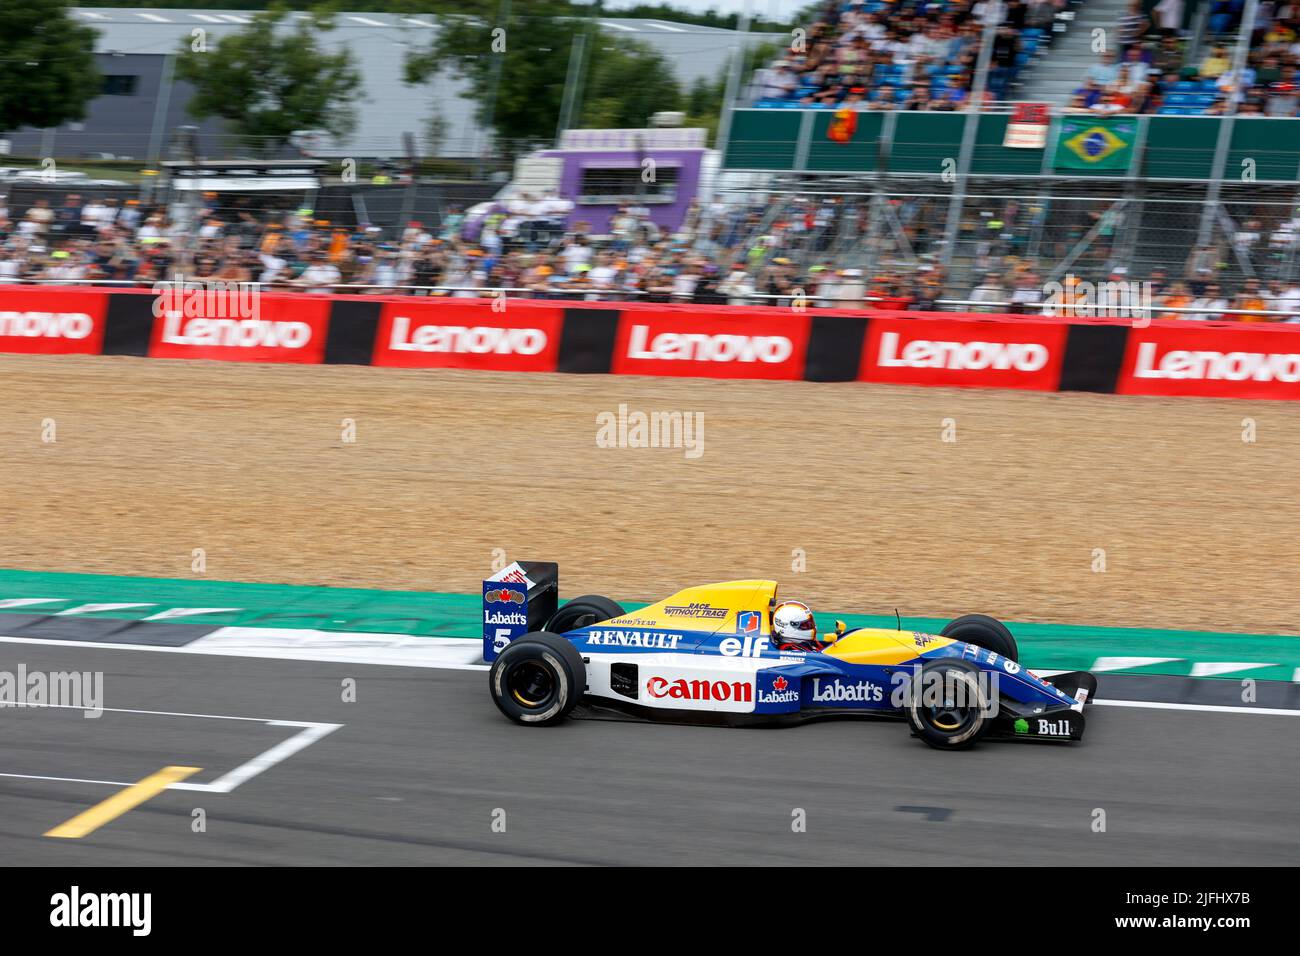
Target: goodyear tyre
538,679
950,709
582,612
983,631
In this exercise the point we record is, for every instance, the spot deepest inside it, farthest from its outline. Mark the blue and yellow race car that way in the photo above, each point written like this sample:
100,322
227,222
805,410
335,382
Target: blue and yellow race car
708,654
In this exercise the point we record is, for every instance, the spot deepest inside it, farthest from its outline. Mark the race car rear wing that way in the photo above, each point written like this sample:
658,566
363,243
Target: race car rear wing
518,599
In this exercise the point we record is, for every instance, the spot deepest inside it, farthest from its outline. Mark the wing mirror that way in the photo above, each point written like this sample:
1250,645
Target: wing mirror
840,628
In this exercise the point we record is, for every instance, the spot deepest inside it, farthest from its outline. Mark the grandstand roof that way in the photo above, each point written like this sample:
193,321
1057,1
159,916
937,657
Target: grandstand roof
388,107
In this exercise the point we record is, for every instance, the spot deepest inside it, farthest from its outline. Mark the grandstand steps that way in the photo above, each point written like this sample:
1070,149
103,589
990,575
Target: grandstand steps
1061,71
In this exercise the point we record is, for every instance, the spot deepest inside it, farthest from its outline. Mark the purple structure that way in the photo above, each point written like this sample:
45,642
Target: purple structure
600,170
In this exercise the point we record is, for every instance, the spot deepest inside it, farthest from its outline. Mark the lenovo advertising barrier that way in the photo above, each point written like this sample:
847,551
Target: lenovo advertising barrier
889,346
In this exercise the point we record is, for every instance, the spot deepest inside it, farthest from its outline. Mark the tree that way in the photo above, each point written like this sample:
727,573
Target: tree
48,64
628,82
516,75
266,82
704,102
515,71
435,134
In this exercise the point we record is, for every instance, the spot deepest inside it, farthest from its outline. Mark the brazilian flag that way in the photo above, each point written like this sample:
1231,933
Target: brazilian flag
1088,142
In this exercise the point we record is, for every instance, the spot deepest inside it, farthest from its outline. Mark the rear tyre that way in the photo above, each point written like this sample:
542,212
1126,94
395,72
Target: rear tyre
983,631
948,709
538,679
583,612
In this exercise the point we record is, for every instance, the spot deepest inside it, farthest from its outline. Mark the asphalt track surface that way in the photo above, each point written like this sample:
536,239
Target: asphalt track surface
424,763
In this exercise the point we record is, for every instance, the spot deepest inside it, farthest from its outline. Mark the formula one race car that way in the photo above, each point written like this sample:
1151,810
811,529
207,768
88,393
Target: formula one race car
707,655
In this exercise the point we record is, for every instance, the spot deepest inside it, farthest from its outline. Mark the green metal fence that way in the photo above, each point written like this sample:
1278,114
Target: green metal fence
1182,148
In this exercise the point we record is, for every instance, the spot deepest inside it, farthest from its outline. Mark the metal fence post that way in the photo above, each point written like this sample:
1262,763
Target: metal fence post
952,228
736,65
1210,210
571,86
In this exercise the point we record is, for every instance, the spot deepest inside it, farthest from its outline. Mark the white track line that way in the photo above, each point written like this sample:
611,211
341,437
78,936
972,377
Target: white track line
1208,708
32,776
311,732
264,761
390,658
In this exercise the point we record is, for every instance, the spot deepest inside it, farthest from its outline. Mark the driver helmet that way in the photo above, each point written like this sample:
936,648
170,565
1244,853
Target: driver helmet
793,624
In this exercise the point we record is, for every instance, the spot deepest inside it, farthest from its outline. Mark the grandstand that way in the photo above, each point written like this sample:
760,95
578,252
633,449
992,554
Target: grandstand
1155,58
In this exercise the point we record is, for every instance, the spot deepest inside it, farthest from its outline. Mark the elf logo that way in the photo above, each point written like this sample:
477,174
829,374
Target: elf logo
234,333
49,325
461,339
751,645
961,356
701,347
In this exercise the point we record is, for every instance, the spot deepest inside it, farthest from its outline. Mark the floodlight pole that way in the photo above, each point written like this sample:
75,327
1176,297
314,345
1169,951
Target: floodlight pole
952,228
737,66
1209,212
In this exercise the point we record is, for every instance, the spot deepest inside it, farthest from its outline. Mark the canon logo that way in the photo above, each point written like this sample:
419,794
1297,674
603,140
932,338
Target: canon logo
961,356
698,347
49,325
477,340
682,689
235,333
1216,366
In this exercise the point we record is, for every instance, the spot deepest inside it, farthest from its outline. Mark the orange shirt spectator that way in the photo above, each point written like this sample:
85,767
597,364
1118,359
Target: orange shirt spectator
1176,298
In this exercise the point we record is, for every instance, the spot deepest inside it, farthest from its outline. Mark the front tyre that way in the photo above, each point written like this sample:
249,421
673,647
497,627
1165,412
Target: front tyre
947,707
983,631
583,612
538,679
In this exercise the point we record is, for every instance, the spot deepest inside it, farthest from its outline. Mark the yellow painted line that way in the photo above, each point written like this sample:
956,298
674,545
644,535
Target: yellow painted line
88,821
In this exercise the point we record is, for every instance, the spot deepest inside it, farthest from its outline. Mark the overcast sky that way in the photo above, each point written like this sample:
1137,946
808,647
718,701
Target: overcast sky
768,8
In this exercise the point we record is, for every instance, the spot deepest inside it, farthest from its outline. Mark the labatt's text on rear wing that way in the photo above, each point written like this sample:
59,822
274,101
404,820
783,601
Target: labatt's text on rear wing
518,599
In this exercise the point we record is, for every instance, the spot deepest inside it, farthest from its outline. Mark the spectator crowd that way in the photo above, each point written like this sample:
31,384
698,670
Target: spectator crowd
908,54
723,254
1156,68
921,55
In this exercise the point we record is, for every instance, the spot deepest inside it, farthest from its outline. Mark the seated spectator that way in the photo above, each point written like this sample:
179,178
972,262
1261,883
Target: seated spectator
1143,99
1232,83
1178,297
990,290
954,96
882,99
918,99
1209,306
1104,72
1215,64
777,82
1112,101
1283,94
1089,95
1168,59
1133,71
1250,298
1284,297
1254,102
